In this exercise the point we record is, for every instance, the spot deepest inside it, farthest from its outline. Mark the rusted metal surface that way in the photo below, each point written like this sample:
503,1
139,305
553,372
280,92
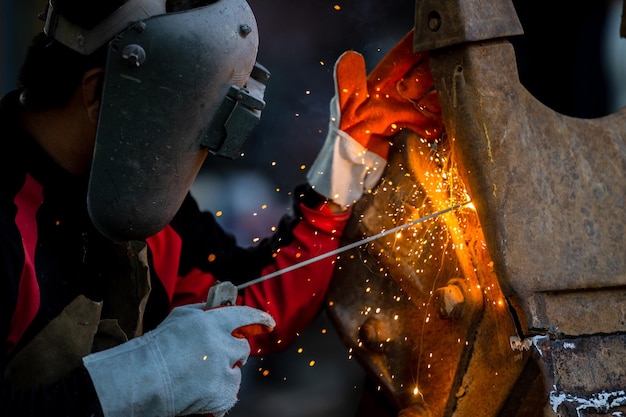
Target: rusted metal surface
549,189
420,308
546,332
441,23
587,373
550,194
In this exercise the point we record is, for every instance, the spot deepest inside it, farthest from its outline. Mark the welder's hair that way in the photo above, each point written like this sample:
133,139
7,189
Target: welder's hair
52,72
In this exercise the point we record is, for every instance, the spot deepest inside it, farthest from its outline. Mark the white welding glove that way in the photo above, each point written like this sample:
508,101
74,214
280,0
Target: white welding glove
366,112
190,364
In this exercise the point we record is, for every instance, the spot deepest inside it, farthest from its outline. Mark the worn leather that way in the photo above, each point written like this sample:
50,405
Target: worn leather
58,348
87,326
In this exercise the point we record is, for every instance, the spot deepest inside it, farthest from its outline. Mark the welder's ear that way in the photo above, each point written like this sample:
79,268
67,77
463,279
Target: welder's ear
92,91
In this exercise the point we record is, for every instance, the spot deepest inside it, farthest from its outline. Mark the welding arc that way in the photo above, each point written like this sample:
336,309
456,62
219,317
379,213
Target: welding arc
350,246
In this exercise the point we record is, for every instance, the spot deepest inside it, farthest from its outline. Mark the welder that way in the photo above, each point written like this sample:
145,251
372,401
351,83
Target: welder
106,259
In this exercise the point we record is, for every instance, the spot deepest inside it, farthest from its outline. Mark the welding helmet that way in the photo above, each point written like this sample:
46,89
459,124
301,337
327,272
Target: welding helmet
176,87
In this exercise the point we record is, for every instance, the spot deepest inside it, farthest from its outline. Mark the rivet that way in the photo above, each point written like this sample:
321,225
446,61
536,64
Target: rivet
140,26
244,30
434,21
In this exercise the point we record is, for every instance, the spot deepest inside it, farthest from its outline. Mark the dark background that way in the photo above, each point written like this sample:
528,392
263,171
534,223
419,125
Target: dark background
570,57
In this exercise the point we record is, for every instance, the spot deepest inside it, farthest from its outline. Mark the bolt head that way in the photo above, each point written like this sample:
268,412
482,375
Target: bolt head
434,21
134,54
450,301
373,333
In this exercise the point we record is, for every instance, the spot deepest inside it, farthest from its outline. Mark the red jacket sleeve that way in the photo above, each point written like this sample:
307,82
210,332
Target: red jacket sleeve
193,252
295,298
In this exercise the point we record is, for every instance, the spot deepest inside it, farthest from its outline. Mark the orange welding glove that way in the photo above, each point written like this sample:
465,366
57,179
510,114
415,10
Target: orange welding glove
366,112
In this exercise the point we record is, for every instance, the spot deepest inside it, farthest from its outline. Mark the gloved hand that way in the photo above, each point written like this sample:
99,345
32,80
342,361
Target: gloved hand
188,365
366,112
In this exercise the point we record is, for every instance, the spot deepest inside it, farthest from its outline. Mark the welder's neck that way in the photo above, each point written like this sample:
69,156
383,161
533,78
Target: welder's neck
64,135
